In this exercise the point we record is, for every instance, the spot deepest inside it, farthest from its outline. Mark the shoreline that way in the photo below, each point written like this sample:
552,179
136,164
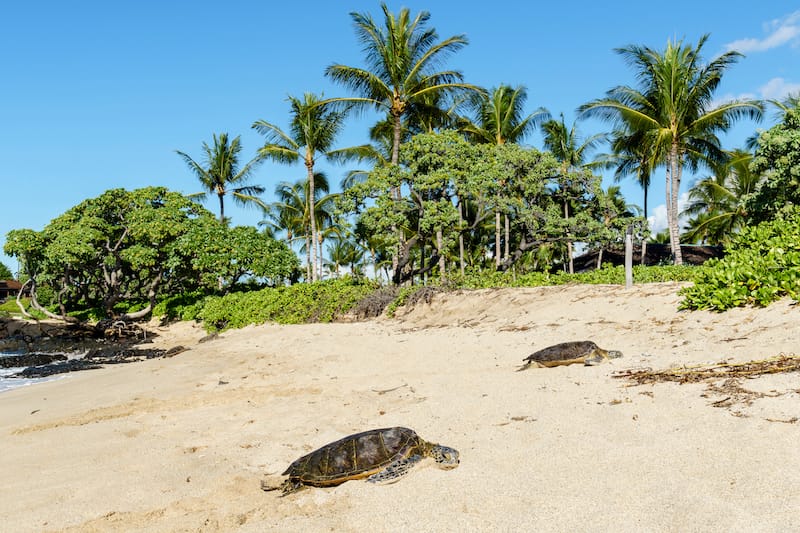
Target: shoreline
183,443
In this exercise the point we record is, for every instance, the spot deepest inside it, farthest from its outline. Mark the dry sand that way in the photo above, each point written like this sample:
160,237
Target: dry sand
182,444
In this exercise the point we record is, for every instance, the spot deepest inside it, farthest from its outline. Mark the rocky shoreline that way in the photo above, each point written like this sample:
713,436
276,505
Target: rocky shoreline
45,348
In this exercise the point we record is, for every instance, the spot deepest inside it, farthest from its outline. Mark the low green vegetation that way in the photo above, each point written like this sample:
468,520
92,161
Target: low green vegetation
9,308
608,274
322,301
762,265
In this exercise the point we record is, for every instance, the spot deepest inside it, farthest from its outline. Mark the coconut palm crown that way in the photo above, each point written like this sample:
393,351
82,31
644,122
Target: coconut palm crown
402,58
674,112
221,175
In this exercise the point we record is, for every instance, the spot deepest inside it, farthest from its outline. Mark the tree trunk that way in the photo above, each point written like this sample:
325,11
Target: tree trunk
308,257
19,299
221,196
569,242
35,304
151,297
312,213
600,258
442,263
507,251
497,256
398,129
673,185
461,236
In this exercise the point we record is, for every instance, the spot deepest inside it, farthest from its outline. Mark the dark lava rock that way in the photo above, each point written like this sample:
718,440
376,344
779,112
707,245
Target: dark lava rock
30,359
56,368
92,360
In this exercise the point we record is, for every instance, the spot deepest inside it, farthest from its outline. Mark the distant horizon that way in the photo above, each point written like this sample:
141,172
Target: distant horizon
101,96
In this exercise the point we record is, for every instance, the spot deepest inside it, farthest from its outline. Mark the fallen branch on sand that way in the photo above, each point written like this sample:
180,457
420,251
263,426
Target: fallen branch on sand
695,374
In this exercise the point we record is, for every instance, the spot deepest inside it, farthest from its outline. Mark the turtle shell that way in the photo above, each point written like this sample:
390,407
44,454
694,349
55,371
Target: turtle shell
563,353
355,456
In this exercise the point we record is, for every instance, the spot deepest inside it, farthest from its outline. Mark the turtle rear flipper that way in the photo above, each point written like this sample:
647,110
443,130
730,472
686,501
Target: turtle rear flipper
395,470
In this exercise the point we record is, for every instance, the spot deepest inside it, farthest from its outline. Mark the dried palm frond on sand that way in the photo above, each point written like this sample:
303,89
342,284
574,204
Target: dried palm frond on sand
695,374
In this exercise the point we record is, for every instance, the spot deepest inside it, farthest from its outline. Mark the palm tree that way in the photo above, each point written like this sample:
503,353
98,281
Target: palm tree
401,78
611,207
566,146
630,156
220,174
292,213
673,112
344,251
401,58
497,116
718,203
314,126
497,119
789,102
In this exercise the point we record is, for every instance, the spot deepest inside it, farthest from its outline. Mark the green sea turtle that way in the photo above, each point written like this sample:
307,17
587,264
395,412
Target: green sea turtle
569,353
380,455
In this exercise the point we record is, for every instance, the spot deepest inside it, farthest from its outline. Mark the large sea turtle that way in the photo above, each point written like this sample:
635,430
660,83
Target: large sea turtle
380,455
570,353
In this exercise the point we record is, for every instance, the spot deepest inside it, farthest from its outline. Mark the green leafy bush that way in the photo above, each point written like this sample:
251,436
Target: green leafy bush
608,274
762,265
296,304
181,307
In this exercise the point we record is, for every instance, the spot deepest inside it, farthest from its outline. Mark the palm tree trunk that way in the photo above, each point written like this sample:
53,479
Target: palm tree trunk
221,196
320,240
398,129
673,185
308,257
312,211
645,203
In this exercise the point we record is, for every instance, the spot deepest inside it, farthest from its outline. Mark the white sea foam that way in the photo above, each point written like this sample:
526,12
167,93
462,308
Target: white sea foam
7,383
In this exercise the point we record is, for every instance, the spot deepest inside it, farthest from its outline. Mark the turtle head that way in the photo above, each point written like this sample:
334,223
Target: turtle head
614,354
444,456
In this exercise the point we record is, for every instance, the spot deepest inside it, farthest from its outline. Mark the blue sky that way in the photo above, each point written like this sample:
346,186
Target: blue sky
97,95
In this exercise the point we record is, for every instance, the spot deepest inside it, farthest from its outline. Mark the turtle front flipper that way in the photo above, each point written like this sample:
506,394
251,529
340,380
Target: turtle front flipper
395,470
594,358
287,487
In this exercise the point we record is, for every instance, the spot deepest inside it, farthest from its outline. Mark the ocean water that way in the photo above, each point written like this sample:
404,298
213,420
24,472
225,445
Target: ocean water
7,383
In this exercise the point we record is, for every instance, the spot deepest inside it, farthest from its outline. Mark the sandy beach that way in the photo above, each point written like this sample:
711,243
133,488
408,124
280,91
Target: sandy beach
182,444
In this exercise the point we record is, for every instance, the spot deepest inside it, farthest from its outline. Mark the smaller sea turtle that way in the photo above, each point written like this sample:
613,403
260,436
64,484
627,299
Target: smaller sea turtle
569,353
380,455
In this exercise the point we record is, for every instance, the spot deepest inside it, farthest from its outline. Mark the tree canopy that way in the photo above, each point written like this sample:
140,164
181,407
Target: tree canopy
454,187
5,273
133,246
778,158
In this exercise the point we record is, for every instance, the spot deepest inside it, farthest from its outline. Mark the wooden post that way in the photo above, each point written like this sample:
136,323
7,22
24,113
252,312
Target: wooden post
629,258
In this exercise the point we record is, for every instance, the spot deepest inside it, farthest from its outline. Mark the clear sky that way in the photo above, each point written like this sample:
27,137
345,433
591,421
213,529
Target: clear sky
97,95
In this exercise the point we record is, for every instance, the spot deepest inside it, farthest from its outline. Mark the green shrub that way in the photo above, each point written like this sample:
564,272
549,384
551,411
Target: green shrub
181,307
608,274
762,265
301,303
